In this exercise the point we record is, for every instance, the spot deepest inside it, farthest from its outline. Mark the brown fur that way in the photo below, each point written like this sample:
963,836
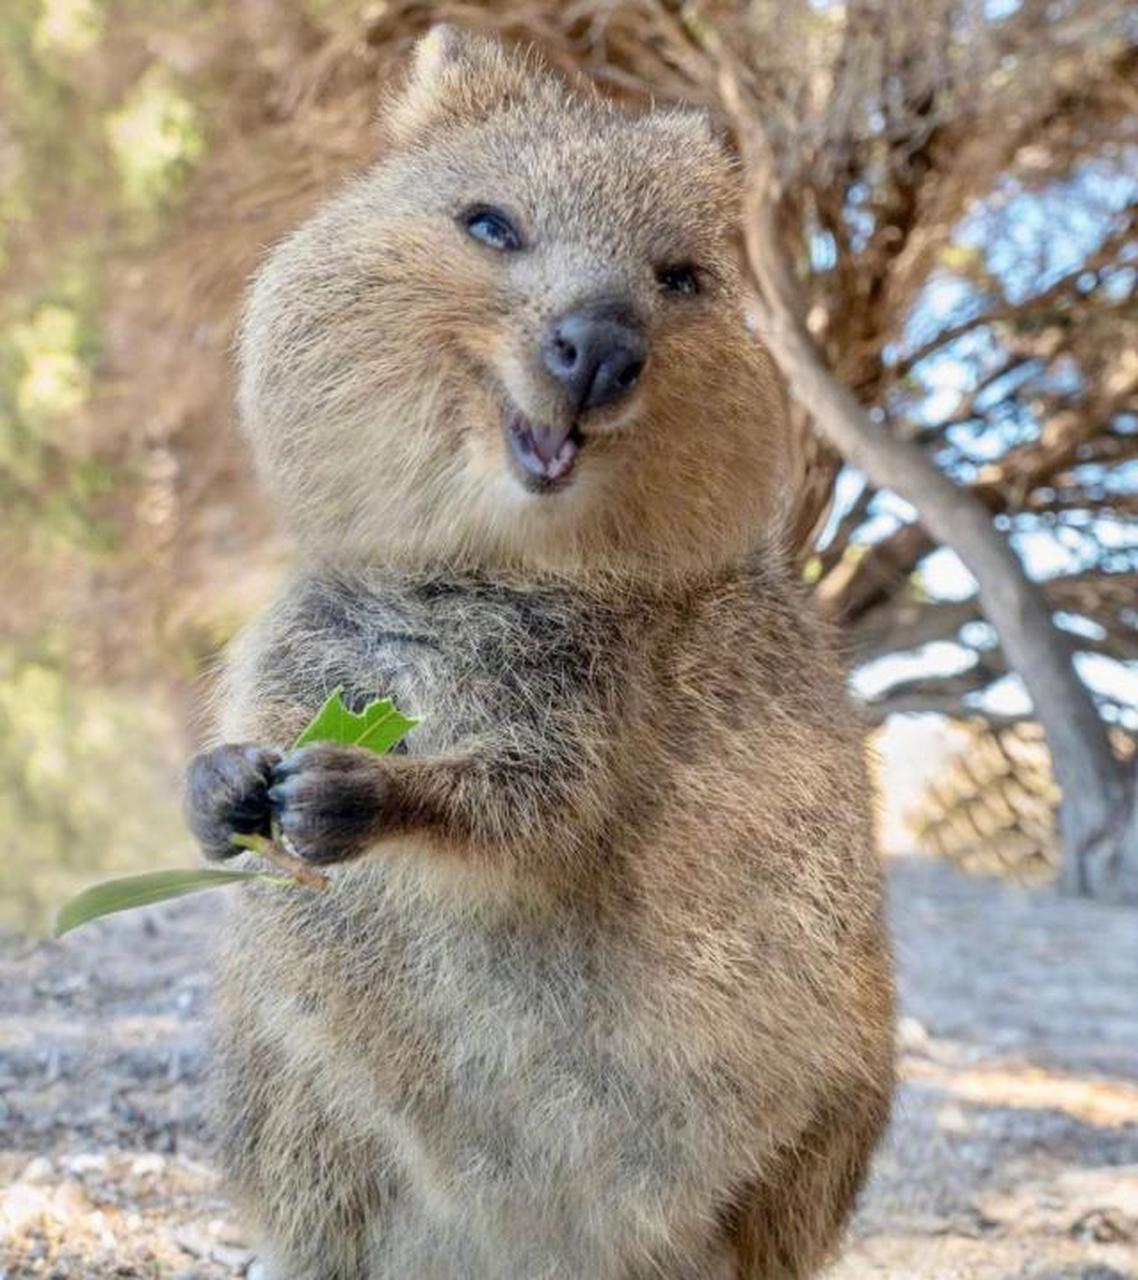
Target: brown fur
607,994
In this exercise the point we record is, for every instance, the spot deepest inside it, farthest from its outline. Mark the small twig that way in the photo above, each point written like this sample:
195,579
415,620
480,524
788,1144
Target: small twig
291,865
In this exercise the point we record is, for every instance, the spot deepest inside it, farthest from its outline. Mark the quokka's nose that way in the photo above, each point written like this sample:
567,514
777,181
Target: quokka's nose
596,352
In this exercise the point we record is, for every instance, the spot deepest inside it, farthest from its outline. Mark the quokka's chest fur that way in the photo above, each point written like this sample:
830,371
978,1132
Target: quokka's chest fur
470,658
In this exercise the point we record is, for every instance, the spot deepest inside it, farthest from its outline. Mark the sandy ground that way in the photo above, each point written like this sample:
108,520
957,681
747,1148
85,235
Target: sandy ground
1014,1151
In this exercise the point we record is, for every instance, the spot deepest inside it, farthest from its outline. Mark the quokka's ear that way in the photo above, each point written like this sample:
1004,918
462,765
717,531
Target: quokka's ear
457,77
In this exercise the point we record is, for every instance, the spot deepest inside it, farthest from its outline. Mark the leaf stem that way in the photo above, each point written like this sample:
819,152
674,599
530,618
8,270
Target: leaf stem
272,852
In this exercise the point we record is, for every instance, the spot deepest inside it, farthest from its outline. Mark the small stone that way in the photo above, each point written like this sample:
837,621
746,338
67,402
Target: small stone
225,1232
99,1225
69,1204
912,1036
38,1170
951,1118
226,1256
189,1241
20,1207
147,1165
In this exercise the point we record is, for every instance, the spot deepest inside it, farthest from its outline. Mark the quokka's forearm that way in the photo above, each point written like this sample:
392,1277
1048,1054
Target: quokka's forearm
472,799
333,802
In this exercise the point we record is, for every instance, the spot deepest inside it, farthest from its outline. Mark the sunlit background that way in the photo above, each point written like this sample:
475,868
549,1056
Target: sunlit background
957,210
149,153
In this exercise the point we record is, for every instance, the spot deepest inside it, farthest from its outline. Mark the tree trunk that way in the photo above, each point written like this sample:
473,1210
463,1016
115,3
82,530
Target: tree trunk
1098,818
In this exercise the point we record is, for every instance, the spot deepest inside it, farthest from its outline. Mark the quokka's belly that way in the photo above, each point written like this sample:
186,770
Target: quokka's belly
528,1169
524,1105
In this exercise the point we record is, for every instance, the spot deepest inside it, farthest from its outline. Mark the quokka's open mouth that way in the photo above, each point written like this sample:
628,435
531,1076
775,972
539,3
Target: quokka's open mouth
545,456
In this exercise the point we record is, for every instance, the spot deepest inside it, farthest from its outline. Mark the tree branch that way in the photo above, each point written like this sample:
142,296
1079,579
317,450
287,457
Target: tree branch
1091,781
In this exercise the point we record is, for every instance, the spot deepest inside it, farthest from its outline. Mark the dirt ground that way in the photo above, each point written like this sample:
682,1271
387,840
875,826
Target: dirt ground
1014,1150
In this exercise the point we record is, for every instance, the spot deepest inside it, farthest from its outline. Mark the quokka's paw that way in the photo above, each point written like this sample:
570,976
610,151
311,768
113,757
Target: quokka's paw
330,801
227,793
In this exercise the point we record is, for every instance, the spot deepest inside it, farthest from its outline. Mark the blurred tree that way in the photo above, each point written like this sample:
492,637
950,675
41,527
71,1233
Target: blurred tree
1097,815
992,809
96,143
84,783
940,222
940,213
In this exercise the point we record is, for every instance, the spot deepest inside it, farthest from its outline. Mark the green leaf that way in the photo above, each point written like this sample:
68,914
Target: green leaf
140,891
378,727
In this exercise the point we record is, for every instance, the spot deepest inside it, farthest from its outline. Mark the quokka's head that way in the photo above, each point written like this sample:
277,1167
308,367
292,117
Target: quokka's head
518,341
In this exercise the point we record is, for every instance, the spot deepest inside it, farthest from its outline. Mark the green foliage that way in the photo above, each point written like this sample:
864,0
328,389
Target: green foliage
95,145
54,378
378,727
88,165
155,139
69,27
47,357
128,892
49,139
87,784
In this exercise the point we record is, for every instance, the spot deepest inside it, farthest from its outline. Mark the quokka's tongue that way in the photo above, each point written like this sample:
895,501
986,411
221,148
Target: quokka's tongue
548,453
547,441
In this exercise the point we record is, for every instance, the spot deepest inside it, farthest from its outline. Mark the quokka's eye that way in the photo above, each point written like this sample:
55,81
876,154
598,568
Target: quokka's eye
492,227
681,278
